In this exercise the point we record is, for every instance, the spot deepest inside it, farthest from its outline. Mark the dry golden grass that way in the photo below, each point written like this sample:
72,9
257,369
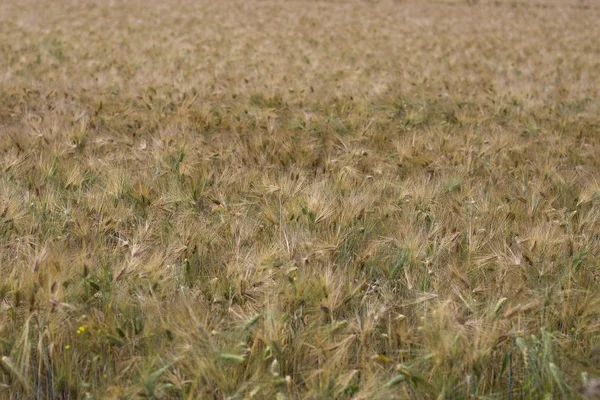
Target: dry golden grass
299,199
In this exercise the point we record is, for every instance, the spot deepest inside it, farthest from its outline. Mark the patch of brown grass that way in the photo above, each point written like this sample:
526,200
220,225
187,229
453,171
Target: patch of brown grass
288,199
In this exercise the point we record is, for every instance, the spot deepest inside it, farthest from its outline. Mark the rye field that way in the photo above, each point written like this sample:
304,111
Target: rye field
299,199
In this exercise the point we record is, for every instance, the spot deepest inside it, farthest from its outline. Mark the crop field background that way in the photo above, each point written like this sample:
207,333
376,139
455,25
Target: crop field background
299,199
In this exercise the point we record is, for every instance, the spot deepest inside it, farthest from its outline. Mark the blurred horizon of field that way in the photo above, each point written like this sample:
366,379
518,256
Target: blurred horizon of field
299,199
